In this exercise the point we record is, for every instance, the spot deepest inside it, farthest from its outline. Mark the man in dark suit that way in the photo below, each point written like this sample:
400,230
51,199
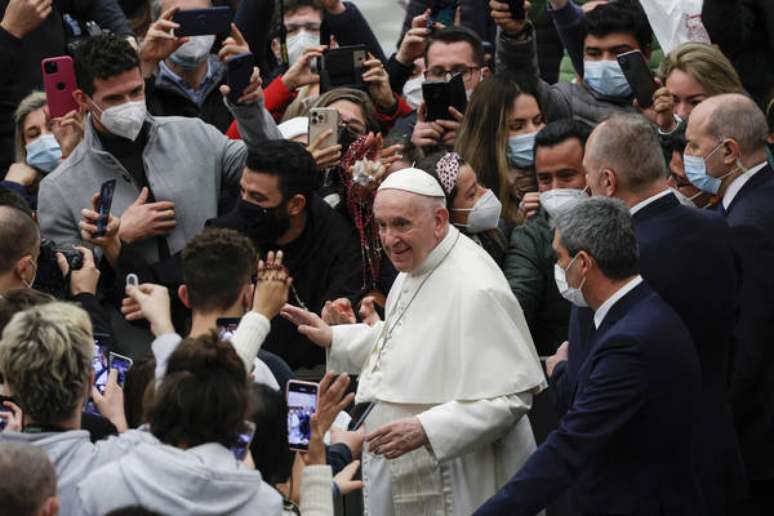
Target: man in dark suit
686,256
726,147
624,446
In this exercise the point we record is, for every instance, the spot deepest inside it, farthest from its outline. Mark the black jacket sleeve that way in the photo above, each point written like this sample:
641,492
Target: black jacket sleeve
99,318
254,19
351,28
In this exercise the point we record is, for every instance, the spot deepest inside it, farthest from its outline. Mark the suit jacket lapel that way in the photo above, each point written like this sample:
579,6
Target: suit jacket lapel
762,176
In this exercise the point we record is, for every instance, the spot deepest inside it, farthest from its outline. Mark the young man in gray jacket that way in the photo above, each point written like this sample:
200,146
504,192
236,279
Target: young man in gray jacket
169,171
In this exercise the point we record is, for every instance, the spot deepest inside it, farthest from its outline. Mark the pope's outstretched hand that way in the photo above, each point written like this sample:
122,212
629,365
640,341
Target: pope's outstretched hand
309,325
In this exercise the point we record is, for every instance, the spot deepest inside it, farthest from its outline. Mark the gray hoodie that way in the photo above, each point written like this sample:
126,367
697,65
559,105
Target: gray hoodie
204,480
75,457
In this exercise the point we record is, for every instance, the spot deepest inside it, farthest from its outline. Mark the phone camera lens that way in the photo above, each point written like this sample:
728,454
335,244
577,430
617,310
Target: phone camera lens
50,67
60,86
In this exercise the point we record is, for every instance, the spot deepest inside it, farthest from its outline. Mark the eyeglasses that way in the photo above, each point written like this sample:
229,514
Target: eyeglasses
354,126
442,74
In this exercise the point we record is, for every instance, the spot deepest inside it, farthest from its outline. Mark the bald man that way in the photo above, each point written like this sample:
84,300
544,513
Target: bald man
726,155
451,371
686,256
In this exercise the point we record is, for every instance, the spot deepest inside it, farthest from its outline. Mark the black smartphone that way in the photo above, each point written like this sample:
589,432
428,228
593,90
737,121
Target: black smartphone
517,9
227,326
302,403
200,22
240,70
342,68
640,78
103,205
439,96
359,415
442,11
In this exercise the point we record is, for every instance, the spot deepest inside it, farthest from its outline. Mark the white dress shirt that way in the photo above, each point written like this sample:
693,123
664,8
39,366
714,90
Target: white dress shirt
737,184
605,307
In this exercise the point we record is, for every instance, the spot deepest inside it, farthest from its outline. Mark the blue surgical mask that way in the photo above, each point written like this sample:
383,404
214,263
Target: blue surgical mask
44,153
696,172
606,78
521,150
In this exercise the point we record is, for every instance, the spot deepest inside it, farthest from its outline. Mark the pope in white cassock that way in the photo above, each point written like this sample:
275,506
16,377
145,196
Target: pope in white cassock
452,369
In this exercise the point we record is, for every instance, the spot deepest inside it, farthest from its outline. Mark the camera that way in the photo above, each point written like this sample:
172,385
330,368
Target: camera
48,252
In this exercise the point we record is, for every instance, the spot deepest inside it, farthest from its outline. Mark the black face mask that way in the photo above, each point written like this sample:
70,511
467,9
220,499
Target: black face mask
263,225
347,137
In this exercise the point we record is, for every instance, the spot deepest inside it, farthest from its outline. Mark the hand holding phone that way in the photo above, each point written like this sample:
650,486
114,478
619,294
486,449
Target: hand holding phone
59,83
244,439
639,76
104,204
302,404
239,73
439,96
321,120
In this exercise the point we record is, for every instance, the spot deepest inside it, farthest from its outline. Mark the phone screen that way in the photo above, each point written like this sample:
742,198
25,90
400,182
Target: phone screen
227,326
243,440
104,204
302,403
122,364
100,366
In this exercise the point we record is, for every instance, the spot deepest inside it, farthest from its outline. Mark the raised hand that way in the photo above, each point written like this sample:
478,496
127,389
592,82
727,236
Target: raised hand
159,42
149,302
426,134
529,204
378,81
110,242
86,278
324,157
300,74
68,131
309,325
111,403
368,312
501,14
271,290
415,40
23,16
338,312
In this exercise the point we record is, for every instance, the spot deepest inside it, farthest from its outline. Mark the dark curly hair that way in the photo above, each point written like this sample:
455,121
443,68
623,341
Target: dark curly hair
204,397
217,263
290,162
102,57
624,16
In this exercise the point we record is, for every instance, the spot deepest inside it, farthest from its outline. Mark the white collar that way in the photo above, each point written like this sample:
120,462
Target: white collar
602,311
737,184
640,205
438,253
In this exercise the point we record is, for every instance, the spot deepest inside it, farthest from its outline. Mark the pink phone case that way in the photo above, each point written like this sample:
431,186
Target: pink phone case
59,83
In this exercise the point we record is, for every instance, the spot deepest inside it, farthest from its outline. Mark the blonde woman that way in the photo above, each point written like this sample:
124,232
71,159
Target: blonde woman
497,139
692,73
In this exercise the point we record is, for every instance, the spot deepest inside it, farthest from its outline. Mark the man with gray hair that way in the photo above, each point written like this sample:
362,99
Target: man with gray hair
624,446
686,256
451,371
29,481
726,155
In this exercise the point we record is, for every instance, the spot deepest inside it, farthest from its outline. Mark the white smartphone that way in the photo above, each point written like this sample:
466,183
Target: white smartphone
320,120
302,403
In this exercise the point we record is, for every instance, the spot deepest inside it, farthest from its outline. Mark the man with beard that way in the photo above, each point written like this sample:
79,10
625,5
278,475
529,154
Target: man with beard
278,210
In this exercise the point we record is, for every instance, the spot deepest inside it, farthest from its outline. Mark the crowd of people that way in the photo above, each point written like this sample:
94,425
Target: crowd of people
552,297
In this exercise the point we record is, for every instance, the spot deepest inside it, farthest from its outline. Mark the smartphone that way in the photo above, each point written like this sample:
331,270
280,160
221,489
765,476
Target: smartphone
439,96
200,22
320,120
640,78
238,75
243,440
302,403
342,68
227,326
360,415
3,408
517,9
103,205
101,368
442,11
132,280
59,83
122,364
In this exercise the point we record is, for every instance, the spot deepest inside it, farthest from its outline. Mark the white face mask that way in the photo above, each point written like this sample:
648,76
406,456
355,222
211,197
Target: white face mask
297,43
572,294
484,215
194,52
559,199
124,120
412,91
